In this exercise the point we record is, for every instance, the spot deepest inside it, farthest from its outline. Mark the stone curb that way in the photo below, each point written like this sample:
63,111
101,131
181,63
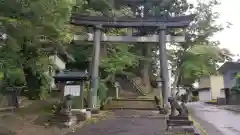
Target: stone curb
198,127
208,127
147,117
232,109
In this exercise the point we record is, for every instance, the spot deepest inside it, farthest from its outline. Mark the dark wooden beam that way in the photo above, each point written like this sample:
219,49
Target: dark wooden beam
126,22
135,2
132,1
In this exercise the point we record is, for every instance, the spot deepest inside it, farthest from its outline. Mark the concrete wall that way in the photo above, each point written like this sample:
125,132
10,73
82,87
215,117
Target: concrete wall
205,95
215,82
204,82
216,85
222,94
60,65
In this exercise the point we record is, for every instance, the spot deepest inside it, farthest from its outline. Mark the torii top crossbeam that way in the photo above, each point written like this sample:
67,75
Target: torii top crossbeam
126,22
131,2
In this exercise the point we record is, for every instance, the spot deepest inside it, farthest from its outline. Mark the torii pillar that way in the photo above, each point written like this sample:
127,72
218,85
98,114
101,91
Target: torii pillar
95,67
163,65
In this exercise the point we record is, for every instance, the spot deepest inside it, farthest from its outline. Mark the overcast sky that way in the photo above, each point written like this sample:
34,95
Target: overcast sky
229,38
229,12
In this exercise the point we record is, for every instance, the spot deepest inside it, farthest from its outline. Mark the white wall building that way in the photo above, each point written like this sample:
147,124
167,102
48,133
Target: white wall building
59,65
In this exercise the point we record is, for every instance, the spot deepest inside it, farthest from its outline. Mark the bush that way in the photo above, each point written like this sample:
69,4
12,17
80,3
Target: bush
195,98
102,91
14,77
213,101
1,76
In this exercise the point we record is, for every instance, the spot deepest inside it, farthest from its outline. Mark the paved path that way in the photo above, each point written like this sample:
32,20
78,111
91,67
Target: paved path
126,122
223,122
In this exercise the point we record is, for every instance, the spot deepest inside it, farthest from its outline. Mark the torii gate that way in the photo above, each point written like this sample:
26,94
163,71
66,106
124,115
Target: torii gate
162,24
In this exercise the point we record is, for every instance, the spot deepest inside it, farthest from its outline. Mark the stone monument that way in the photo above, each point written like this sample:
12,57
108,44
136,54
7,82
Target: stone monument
65,114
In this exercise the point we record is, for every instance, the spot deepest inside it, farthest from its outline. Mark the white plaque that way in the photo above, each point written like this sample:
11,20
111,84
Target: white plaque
73,90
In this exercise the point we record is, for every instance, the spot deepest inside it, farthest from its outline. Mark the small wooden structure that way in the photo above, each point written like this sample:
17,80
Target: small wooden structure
71,82
212,86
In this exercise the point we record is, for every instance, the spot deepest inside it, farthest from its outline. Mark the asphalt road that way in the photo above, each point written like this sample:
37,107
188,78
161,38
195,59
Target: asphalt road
223,122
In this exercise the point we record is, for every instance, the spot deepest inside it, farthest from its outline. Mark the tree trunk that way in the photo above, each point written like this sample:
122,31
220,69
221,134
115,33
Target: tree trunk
146,65
189,95
32,82
103,50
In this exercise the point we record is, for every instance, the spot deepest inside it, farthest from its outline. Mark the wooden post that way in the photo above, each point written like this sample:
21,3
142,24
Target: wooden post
82,94
117,89
61,88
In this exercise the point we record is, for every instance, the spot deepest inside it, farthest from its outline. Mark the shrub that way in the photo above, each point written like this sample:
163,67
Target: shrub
195,98
213,101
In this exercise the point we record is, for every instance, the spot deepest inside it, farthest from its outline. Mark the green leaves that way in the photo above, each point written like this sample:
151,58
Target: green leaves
236,87
199,55
118,59
199,60
32,27
1,76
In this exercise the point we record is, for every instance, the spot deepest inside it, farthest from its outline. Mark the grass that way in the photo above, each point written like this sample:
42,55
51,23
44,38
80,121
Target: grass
213,101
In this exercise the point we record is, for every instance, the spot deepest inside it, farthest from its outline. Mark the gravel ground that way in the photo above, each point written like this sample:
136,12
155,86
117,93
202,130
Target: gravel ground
126,122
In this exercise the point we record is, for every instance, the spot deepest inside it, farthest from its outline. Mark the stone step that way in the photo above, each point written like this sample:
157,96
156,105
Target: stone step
178,118
180,132
135,99
146,103
128,108
182,129
132,103
179,123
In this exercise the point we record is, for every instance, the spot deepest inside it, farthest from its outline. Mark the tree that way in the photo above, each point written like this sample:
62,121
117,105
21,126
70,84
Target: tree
198,55
162,9
114,57
31,26
236,87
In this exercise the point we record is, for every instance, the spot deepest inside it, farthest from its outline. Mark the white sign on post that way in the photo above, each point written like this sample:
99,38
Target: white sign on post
73,90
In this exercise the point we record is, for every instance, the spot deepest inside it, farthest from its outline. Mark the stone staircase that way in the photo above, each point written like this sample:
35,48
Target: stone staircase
131,104
131,97
128,88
